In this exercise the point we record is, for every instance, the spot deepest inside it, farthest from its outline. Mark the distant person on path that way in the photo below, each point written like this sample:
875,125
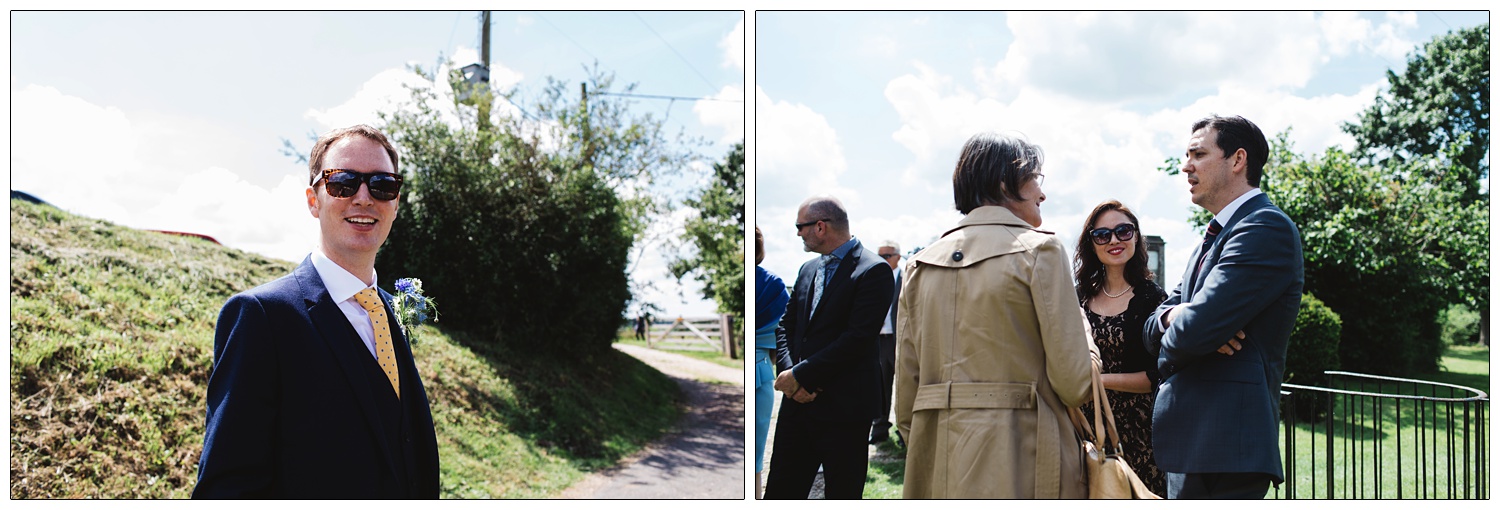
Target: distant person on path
770,304
314,393
992,348
640,328
1116,291
1215,424
826,352
880,431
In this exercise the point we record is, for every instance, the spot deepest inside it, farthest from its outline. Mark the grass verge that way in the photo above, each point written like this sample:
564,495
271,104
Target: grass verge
111,347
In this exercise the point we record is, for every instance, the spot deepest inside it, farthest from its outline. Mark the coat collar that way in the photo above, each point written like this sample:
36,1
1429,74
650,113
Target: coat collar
993,215
964,245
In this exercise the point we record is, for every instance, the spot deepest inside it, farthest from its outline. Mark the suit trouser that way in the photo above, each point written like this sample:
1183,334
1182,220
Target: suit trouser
803,444
882,424
1217,485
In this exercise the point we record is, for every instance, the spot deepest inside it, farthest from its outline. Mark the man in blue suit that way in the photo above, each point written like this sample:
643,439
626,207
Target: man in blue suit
826,352
1215,422
314,392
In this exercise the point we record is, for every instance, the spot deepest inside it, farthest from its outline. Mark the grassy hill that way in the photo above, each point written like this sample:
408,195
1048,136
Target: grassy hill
111,348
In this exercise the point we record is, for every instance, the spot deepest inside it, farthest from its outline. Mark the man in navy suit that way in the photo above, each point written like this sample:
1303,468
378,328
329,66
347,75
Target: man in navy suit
826,352
314,392
1217,411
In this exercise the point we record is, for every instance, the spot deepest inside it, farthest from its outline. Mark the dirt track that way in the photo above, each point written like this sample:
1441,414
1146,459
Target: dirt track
703,457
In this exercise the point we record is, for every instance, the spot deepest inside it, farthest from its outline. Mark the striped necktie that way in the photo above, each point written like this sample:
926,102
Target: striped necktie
1208,240
369,299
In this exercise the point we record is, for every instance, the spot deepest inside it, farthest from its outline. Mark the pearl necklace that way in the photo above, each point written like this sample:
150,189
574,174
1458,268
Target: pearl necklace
1105,289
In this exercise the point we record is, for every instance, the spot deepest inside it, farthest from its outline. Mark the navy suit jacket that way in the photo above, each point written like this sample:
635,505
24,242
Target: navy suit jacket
1217,413
836,352
298,408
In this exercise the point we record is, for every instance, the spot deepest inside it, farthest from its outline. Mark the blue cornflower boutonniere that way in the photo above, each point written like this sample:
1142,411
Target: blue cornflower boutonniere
412,308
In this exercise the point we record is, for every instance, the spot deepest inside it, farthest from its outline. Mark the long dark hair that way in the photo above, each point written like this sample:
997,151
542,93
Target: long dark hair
1088,270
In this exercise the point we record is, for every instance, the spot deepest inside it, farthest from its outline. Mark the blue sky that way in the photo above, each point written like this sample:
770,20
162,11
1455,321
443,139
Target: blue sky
874,107
174,120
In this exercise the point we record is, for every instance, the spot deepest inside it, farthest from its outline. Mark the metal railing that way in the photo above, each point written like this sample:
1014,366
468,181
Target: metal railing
1375,437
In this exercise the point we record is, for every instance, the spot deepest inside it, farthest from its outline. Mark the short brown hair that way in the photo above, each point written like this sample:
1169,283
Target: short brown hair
320,149
991,170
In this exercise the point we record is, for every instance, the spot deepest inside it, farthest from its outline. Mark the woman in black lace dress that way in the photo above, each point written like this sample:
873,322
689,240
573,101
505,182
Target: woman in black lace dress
1117,293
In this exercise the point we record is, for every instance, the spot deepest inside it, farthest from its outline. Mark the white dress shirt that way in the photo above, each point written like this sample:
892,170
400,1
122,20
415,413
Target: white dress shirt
1229,210
342,286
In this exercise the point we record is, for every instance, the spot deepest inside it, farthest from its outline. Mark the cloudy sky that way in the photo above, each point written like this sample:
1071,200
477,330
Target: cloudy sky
874,107
174,120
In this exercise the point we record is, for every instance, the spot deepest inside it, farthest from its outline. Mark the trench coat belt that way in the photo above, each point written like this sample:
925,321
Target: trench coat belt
958,395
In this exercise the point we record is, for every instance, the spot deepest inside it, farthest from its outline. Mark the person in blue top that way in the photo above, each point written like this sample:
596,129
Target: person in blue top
770,304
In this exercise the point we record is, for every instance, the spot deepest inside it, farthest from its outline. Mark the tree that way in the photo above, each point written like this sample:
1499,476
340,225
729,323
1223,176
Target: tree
1439,107
718,234
522,228
1440,102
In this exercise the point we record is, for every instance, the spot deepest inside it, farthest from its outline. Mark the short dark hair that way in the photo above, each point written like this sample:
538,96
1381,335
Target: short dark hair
1088,270
320,149
991,170
1235,133
830,210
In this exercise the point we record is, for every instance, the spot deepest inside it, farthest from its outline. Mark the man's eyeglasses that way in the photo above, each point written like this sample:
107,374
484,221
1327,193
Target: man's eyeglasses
801,226
1124,232
1040,178
345,183
888,256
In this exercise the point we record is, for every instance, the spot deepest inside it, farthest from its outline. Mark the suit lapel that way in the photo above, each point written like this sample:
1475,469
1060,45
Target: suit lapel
1253,204
353,358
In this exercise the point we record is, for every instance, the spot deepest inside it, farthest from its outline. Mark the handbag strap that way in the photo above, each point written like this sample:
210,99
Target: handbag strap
1104,416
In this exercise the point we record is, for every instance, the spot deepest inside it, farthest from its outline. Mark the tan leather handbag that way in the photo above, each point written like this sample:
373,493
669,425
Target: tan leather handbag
1109,477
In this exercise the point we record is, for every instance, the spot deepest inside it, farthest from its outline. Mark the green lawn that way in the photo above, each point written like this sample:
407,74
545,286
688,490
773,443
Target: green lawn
1376,455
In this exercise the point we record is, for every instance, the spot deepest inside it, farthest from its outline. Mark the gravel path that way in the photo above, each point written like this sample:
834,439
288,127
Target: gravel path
703,457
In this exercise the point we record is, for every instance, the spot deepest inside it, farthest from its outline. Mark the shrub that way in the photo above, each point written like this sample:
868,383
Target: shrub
1313,348
1460,325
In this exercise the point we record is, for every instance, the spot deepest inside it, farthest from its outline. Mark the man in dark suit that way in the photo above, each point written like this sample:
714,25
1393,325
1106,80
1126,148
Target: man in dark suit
314,392
1217,411
880,430
827,357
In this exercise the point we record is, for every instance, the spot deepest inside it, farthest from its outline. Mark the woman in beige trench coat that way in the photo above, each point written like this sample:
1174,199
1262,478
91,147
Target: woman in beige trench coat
992,348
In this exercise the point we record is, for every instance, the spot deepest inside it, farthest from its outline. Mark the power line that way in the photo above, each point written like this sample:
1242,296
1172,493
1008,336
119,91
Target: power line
674,50
565,36
653,96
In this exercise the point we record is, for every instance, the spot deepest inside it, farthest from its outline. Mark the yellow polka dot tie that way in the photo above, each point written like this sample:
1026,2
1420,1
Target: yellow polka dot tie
384,352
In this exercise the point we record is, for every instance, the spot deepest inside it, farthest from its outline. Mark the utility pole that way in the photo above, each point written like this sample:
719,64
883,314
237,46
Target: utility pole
484,59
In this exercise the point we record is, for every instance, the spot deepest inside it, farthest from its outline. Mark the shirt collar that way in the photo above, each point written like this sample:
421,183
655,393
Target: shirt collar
341,284
1228,211
843,249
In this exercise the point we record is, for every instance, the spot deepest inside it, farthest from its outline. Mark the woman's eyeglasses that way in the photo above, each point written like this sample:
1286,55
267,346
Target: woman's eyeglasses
345,183
1124,232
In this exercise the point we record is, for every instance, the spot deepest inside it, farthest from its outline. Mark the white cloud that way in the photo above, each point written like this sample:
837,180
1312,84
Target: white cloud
799,155
727,114
117,179
734,46
1117,57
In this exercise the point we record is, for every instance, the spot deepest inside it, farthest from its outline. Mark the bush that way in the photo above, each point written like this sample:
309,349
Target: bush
1313,349
1460,325
519,237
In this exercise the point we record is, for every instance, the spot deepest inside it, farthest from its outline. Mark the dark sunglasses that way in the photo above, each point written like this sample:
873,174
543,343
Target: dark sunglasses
888,256
345,183
801,226
1125,232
